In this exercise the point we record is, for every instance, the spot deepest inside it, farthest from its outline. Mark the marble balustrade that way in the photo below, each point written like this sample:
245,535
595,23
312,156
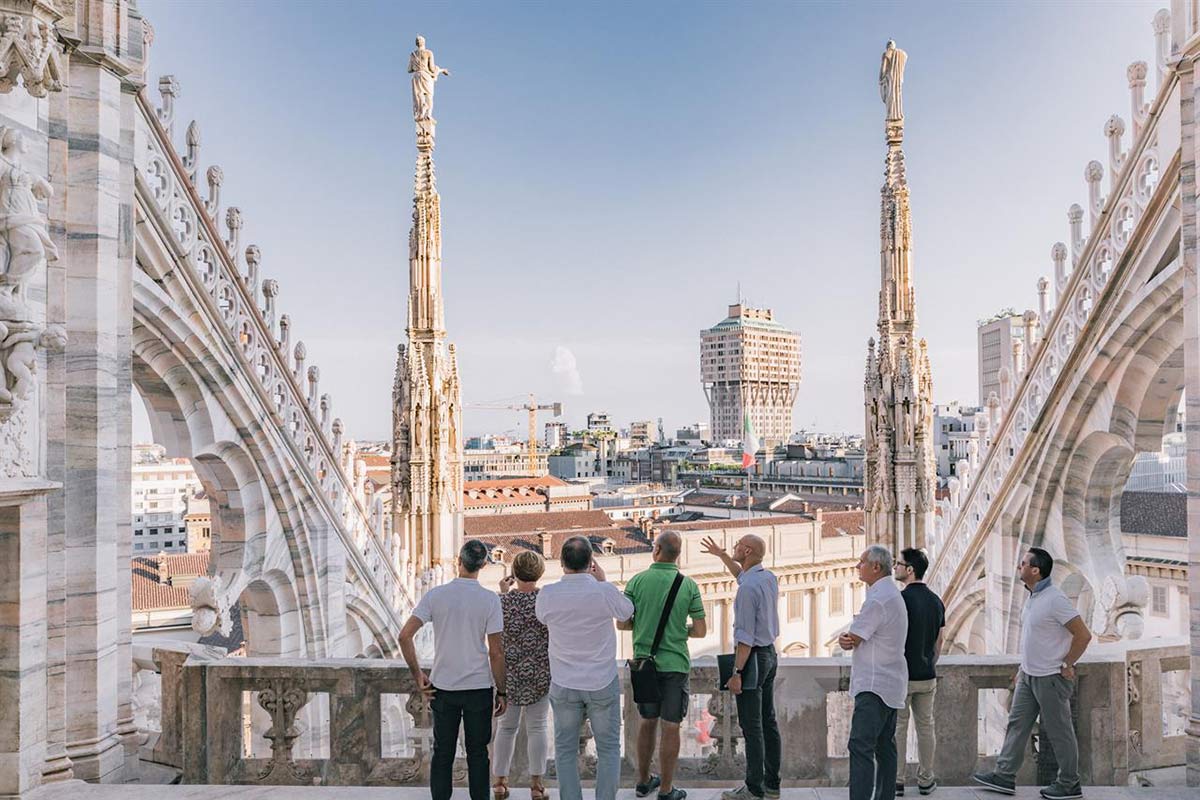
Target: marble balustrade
378,732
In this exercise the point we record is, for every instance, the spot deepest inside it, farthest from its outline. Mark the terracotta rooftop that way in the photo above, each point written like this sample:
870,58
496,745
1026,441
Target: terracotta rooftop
151,595
842,523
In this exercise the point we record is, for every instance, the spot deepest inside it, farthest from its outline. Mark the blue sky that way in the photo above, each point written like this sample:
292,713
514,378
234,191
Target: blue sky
611,173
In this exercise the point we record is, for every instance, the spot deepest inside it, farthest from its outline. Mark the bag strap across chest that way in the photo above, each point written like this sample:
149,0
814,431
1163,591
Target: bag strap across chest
666,612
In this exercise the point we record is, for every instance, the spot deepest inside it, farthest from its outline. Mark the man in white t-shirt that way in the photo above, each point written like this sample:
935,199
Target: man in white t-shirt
1053,637
468,661
579,611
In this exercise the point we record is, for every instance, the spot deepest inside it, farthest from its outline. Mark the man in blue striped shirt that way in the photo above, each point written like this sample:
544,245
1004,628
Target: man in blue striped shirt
755,628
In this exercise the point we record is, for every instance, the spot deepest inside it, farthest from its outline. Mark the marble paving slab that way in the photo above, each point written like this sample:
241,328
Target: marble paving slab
81,791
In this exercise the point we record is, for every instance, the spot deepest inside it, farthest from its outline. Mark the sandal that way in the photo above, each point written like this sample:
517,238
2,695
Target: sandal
500,790
538,793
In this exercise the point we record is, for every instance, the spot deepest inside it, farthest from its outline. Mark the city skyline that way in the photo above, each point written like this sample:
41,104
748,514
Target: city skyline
560,279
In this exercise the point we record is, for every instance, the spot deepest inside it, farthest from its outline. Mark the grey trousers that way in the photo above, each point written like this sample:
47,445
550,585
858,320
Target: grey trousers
1049,696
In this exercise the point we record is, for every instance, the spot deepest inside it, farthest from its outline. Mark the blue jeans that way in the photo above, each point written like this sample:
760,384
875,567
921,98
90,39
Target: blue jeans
603,708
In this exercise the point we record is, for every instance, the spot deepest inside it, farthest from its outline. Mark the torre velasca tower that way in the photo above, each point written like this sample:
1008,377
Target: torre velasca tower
750,367
427,448
900,469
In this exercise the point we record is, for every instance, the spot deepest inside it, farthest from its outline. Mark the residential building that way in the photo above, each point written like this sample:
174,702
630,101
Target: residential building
198,521
953,430
578,460
696,435
556,435
160,490
642,433
996,335
507,461
750,365
598,423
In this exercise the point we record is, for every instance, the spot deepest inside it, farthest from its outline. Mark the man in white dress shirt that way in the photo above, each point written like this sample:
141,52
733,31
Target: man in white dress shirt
878,677
579,611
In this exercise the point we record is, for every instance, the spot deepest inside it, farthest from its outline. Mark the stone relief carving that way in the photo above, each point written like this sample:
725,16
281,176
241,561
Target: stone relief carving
210,611
25,249
29,47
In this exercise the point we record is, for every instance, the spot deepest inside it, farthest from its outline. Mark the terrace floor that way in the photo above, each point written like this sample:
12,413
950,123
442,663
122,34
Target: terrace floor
81,791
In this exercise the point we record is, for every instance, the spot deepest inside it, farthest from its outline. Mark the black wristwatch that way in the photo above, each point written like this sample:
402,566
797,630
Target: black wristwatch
501,694
741,671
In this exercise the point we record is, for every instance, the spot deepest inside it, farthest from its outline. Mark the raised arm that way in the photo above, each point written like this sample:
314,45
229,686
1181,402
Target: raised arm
709,545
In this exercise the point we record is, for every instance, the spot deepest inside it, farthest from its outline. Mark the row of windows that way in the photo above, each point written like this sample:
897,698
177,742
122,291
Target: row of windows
156,532
158,546
795,603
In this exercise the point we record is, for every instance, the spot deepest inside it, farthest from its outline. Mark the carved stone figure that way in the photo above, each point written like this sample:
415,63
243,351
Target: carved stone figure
424,75
210,612
19,343
25,246
891,80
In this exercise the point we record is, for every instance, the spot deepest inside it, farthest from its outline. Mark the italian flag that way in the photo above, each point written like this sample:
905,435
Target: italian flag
749,442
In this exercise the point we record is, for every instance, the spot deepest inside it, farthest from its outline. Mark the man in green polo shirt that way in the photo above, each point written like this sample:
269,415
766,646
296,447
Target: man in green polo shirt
648,590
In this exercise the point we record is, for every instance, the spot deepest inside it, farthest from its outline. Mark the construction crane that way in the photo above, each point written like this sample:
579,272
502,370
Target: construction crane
532,407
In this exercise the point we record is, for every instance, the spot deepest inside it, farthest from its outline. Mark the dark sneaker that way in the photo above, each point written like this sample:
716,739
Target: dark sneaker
928,788
899,789
1056,792
740,793
675,794
771,794
995,782
643,789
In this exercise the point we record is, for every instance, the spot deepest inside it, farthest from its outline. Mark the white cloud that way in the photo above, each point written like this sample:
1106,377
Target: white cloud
566,371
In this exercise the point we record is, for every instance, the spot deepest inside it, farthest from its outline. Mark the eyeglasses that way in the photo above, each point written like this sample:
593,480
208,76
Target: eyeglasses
899,563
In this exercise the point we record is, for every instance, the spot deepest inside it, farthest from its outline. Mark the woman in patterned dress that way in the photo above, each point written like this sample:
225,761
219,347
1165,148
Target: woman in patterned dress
527,659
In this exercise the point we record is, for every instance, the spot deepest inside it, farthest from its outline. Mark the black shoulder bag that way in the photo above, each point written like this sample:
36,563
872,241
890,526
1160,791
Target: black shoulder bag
643,672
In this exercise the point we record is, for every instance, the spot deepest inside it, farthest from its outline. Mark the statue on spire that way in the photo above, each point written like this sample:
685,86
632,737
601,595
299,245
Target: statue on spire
424,75
891,80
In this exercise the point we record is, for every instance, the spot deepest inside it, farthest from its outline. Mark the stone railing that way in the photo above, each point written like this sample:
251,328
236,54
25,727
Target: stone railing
1051,337
374,731
259,336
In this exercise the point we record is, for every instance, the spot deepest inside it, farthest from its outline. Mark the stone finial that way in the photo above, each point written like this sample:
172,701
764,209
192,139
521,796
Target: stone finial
314,379
1075,223
326,411
993,412
300,353
1162,41
30,48
338,431
1018,358
1058,254
1043,289
270,290
285,332
168,90
1138,107
253,259
1006,377
216,176
1114,129
233,223
191,156
1031,331
1093,174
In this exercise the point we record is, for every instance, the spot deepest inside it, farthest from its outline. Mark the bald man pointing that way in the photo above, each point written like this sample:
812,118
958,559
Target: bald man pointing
755,627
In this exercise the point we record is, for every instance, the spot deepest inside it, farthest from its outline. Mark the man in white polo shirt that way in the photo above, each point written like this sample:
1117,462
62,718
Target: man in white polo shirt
1053,638
468,660
579,611
878,677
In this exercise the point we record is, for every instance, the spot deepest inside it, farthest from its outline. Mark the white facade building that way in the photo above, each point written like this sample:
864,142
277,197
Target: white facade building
750,363
996,336
953,430
160,491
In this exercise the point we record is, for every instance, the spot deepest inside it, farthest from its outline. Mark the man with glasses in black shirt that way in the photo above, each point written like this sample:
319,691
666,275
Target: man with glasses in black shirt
926,620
